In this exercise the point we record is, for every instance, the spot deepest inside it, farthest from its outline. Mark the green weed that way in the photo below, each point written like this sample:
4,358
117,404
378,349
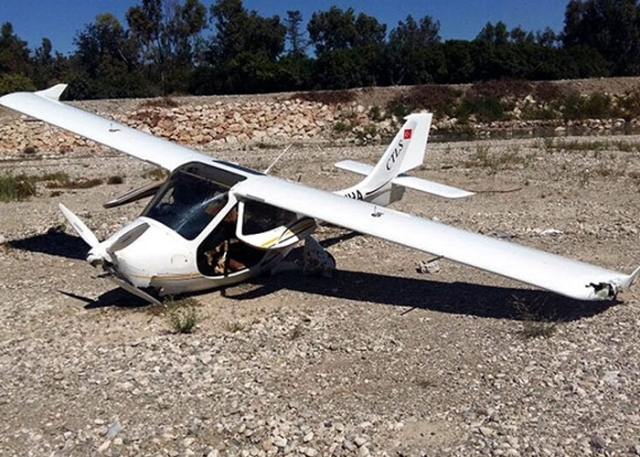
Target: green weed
181,315
16,188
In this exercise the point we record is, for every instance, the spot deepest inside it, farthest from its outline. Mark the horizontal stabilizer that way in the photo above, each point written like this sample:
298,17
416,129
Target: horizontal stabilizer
422,185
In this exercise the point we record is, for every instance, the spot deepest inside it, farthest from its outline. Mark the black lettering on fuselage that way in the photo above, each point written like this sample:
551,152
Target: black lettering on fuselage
394,155
355,195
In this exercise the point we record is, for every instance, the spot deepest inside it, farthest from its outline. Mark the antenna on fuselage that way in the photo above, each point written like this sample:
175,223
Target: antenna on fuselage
266,172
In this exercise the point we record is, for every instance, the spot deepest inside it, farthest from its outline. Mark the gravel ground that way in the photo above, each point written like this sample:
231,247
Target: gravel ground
378,360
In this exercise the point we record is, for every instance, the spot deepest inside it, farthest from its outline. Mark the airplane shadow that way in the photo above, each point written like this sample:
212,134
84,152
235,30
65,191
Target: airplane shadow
54,242
412,293
116,297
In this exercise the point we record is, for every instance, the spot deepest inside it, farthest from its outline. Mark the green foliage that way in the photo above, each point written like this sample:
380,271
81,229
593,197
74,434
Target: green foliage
611,28
338,29
413,54
239,31
375,114
182,315
16,188
628,107
485,108
341,127
14,54
441,100
178,46
595,106
14,83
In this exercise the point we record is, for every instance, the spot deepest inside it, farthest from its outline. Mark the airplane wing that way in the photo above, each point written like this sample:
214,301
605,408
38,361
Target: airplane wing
567,277
44,105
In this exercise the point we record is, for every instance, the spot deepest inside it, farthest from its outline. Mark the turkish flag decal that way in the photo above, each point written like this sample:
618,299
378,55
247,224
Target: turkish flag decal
407,134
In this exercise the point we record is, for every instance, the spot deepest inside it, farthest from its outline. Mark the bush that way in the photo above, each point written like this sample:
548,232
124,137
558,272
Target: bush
15,83
181,315
486,108
16,188
629,106
595,106
441,100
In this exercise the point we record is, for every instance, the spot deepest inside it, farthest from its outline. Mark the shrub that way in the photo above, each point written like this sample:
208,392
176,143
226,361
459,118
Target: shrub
14,83
181,315
115,179
595,106
441,100
486,108
16,188
628,107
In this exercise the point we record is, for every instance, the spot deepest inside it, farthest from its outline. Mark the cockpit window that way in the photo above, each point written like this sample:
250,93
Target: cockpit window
260,217
191,199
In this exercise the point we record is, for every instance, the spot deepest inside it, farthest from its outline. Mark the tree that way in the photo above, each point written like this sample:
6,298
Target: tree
107,61
295,37
349,48
239,31
46,68
14,54
243,53
413,51
168,34
611,27
340,29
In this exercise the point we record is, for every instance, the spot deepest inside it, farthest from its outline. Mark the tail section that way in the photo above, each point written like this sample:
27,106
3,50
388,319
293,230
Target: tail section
405,152
385,182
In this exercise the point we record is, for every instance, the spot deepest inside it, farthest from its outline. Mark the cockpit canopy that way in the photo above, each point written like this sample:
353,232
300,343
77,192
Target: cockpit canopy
191,198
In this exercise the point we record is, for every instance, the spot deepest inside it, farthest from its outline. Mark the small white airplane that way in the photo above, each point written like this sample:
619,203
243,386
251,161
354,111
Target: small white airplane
215,223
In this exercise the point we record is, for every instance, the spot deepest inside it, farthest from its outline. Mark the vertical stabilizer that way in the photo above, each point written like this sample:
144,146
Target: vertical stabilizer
405,152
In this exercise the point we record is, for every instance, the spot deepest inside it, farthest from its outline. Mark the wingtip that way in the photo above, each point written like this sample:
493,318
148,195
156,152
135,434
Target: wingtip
53,93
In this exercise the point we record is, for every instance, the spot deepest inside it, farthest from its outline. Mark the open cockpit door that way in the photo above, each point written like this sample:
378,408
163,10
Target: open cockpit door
269,227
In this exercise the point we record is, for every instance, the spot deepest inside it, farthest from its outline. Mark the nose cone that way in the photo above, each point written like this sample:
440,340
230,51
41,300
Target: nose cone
98,256
141,251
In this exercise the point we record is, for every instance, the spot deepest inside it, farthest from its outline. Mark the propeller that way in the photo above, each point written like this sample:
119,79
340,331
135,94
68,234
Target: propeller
105,256
85,233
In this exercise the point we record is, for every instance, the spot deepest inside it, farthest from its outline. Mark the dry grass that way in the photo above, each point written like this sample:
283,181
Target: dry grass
327,97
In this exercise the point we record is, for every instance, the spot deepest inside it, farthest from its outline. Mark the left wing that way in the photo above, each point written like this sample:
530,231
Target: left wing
567,277
45,106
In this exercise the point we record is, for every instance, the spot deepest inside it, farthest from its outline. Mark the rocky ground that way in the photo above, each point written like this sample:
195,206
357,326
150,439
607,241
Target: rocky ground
378,360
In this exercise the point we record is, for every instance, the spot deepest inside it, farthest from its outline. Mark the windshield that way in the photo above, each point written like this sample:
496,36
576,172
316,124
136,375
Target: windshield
189,201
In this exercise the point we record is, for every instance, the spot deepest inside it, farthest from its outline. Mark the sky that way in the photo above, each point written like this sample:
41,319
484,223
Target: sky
60,20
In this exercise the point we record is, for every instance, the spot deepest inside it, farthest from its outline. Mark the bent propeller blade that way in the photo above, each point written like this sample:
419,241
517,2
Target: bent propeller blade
134,290
85,233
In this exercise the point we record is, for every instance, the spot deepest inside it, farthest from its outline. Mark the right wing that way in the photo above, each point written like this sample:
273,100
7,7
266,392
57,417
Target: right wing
45,106
559,274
